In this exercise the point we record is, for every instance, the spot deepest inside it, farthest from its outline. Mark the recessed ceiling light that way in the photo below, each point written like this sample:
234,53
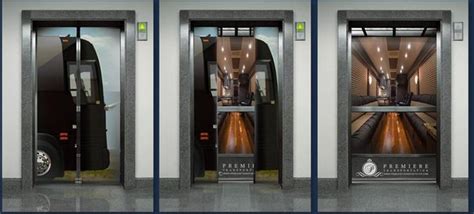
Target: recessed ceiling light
381,58
401,70
225,58
406,55
409,46
403,67
250,45
222,49
242,70
380,67
247,55
243,67
378,49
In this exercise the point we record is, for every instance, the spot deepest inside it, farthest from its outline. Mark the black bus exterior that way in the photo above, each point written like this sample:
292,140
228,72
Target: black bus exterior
56,108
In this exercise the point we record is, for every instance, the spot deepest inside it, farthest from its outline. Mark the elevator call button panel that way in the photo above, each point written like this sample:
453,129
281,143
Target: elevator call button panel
142,31
300,31
458,31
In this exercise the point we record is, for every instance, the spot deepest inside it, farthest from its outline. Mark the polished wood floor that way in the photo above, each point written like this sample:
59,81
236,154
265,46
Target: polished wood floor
393,138
234,136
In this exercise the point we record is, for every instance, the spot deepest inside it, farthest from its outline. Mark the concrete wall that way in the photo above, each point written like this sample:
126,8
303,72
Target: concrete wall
11,139
327,76
169,77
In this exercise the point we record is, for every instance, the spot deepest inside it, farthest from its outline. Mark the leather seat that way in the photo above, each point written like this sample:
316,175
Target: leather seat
425,98
407,100
362,100
360,140
248,100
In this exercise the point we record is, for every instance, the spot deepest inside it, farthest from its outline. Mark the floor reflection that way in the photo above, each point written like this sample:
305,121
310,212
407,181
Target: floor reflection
83,198
394,198
264,197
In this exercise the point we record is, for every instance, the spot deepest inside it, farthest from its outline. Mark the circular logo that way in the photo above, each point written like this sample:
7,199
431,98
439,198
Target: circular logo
369,168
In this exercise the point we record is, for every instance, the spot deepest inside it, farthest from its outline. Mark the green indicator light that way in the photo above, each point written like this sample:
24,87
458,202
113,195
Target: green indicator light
141,27
142,31
300,26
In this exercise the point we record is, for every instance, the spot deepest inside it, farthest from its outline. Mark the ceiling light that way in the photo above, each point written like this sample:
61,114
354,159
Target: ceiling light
370,80
247,55
401,70
243,67
242,70
403,67
406,55
409,46
225,58
378,49
225,69
250,45
222,48
416,79
381,58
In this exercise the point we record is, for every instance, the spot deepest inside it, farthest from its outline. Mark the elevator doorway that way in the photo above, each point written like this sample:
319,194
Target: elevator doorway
235,92
81,91
393,122
235,69
394,74
78,110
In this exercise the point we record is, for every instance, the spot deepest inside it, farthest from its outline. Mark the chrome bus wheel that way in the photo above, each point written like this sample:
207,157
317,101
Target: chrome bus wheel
43,163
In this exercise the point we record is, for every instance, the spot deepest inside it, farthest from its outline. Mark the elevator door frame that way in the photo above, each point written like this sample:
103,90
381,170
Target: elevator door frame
127,87
443,45
186,85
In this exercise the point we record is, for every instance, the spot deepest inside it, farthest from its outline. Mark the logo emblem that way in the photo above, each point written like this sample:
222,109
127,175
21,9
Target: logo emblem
369,169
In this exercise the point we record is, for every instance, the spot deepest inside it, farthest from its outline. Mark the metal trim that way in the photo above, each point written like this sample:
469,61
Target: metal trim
394,179
78,179
387,180
393,109
235,155
393,155
235,108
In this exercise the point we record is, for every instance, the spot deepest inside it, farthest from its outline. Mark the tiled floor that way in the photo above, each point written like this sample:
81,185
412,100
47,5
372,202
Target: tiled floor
83,198
394,197
236,197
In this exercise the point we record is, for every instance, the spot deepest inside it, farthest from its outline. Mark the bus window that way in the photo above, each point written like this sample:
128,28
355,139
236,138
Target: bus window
264,80
261,82
72,84
212,78
88,82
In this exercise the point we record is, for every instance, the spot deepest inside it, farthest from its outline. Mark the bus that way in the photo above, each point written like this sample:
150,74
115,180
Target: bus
57,90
